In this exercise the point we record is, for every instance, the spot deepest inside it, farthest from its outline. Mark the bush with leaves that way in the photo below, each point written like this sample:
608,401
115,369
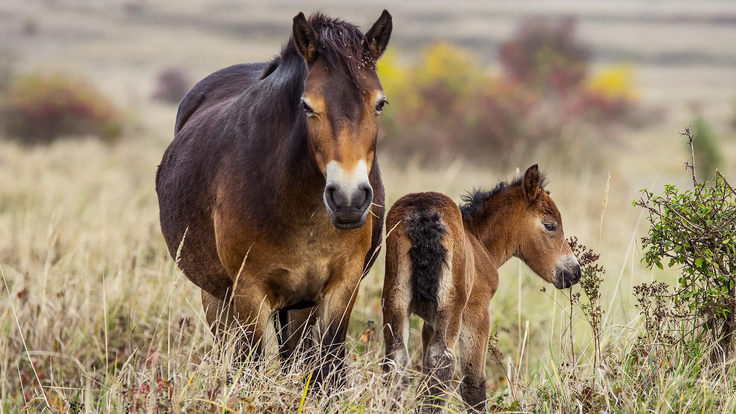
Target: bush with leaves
694,230
40,108
546,55
448,105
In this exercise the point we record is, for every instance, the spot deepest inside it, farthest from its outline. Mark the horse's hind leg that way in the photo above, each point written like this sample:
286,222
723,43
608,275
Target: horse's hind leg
472,349
395,302
439,359
427,334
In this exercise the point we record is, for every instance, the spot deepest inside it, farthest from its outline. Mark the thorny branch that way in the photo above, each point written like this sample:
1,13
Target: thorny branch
689,135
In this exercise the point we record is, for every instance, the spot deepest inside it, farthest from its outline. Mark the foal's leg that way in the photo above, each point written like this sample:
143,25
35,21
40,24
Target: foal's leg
427,334
395,301
396,336
439,359
472,349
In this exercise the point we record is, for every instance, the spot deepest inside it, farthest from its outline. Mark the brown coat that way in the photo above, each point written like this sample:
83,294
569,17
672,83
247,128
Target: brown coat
441,264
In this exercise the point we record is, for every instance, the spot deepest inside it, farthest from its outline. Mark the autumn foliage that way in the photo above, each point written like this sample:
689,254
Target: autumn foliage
40,108
448,104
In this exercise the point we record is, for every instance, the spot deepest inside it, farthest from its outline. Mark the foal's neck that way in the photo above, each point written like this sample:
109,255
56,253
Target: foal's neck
494,228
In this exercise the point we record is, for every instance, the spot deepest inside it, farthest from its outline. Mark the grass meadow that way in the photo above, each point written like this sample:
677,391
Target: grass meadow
96,317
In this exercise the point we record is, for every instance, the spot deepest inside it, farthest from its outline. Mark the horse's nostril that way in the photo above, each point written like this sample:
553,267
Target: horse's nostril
365,197
332,195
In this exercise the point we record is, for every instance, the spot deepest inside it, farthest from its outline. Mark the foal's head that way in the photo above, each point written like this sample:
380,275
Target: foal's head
541,238
521,219
342,100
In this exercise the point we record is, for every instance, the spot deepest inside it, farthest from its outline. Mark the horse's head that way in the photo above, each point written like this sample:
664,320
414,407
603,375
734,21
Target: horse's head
542,243
342,100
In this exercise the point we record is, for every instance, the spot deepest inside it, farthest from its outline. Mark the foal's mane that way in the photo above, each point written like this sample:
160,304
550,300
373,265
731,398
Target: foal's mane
342,46
475,199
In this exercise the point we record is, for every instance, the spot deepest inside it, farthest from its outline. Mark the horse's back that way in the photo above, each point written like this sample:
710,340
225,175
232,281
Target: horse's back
221,85
430,201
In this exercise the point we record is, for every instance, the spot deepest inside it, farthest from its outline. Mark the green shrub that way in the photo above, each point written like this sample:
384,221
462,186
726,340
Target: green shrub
40,108
694,230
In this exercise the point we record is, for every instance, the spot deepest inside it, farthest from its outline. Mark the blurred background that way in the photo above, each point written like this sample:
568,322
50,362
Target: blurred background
595,92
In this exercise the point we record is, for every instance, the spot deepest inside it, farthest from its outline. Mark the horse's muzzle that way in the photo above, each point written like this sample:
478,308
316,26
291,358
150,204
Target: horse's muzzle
348,209
567,272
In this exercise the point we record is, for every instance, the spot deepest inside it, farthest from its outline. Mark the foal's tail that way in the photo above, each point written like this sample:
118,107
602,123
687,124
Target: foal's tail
428,255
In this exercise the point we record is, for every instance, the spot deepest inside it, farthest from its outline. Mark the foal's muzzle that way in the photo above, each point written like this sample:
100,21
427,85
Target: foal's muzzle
567,272
348,208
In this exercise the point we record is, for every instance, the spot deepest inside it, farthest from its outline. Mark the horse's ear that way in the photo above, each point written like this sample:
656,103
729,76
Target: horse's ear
530,183
379,34
305,38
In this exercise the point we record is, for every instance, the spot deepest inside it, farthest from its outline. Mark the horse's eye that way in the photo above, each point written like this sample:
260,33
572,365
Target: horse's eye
379,105
307,109
550,227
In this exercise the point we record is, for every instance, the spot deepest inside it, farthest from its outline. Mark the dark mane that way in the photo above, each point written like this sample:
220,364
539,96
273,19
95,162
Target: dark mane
474,200
342,46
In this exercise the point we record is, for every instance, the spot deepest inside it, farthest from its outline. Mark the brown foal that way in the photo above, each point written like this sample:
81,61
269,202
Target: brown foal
441,264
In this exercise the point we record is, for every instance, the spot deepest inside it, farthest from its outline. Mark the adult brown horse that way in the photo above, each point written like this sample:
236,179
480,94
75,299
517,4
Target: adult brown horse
265,191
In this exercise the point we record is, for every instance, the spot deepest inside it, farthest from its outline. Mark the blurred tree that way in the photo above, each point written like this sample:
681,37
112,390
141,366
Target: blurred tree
40,108
546,55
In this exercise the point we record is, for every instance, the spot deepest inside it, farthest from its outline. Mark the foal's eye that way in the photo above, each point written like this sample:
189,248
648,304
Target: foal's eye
307,109
550,227
379,105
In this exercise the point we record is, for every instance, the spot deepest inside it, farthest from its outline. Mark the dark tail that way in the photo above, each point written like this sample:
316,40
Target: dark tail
426,231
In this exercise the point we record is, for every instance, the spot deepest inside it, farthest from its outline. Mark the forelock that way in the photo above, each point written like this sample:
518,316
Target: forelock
342,46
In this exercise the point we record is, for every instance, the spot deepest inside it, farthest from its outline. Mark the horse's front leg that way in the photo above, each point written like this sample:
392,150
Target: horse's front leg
252,311
295,334
333,315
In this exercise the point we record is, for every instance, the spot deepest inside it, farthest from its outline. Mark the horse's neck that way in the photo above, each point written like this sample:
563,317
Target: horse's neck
285,163
496,232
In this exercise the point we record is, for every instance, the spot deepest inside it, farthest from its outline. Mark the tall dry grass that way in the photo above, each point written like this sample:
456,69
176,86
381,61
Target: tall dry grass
95,316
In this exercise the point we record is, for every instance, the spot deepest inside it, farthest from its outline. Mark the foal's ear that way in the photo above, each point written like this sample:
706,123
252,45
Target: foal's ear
379,34
530,183
305,38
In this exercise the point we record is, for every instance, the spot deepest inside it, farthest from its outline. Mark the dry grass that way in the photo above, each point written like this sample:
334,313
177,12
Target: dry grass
96,312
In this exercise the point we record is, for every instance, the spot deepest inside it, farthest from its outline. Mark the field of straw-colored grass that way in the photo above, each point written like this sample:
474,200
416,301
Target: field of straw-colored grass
97,312
96,317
